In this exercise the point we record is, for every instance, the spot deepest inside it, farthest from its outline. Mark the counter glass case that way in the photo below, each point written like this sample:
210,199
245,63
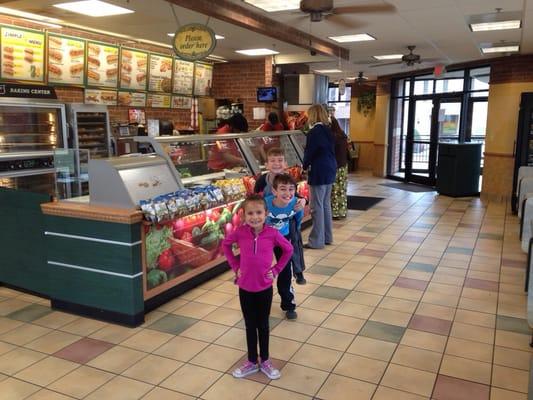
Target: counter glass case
259,143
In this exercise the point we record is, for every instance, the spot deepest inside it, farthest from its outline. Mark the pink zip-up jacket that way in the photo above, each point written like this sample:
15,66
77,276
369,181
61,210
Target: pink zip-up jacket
255,258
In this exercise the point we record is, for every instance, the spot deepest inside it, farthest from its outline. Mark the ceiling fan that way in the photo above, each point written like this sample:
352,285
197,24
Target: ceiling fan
318,10
409,59
363,80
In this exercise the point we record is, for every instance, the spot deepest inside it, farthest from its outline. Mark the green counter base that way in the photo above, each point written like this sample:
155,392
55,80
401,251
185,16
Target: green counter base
97,313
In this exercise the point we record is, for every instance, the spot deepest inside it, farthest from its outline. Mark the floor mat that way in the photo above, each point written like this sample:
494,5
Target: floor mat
409,187
362,202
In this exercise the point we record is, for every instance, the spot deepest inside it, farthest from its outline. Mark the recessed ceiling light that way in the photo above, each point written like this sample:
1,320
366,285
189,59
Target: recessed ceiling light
388,57
328,71
275,5
360,37
507,48
495,26
257,52
217,37
93,8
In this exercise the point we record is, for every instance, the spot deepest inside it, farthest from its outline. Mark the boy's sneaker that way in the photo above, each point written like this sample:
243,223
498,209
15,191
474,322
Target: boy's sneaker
268,369
291,314
248,368
300,280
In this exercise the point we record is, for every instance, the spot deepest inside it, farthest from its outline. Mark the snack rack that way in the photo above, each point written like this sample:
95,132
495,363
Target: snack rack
90,129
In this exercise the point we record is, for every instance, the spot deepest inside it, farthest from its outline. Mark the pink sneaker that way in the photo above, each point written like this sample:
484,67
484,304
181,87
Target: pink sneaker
268,369
248,368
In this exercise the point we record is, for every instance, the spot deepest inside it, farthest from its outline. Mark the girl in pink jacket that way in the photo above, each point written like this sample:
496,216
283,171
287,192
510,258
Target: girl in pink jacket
255,275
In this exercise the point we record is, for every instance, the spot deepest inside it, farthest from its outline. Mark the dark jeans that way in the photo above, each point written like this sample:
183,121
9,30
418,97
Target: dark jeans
255,308
285,284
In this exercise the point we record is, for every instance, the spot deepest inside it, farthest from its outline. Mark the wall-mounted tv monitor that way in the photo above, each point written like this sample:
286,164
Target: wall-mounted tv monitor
267,94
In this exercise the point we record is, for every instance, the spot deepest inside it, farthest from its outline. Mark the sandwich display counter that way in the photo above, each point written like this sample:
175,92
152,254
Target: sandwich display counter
152,225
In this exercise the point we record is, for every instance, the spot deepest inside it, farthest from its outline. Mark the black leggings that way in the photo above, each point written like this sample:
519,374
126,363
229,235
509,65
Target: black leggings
255,307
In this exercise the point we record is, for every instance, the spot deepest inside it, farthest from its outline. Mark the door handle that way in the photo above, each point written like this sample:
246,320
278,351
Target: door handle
514,149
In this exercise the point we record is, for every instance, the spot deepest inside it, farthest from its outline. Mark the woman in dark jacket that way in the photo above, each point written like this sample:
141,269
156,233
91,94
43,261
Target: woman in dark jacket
319,160
339,200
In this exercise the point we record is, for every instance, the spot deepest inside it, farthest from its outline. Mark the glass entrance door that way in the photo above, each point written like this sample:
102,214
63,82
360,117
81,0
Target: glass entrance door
418,142
432,121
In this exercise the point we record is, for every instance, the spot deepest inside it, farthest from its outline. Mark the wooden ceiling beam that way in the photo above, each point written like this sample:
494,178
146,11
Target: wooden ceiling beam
235,14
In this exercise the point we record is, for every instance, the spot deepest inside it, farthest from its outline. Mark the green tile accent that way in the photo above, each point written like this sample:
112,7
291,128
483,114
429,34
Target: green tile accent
173,324
414,266
23,249
492,236
459,250
331,292
512,324
106,292
96,229
30,313
381,331
322,270
105,256
371,229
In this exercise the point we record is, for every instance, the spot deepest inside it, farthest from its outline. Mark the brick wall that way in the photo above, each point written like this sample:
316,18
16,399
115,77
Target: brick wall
512,69
239,80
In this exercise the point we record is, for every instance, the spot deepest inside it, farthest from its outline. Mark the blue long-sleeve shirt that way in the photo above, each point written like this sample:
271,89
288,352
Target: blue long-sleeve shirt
319,155
279,217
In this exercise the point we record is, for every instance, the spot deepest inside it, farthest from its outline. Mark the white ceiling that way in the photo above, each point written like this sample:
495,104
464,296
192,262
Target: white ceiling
438,28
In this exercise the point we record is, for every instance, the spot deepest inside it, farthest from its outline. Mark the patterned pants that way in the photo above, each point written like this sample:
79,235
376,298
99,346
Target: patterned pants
339,200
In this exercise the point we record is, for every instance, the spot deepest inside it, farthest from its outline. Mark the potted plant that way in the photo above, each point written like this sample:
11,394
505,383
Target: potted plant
366,102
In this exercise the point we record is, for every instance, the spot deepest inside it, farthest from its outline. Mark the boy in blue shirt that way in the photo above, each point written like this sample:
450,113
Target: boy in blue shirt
280,215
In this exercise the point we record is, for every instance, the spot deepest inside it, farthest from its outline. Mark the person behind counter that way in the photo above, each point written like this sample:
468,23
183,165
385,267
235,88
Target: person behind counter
272,123
319,160
224,154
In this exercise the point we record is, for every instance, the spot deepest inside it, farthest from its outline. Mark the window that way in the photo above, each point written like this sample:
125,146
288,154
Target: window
341,105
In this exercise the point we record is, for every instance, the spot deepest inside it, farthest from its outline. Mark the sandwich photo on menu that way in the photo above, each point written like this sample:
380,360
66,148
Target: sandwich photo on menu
108,96
76,69
93,75
76,53
55,55
54,70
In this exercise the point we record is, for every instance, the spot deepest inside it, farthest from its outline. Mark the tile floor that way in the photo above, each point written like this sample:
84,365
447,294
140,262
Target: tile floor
421,297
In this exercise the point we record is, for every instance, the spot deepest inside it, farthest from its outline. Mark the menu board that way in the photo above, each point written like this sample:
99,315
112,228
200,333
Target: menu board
183,77
160,79
133,69
132,99
22,54
203,76
102,65
97,96
182,102
66,60
158,100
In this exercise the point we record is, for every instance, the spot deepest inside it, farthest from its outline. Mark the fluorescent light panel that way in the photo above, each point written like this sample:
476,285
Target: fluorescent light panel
500,49
328,71
359,37
275,5
257,52
388,57
495,26
93,8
